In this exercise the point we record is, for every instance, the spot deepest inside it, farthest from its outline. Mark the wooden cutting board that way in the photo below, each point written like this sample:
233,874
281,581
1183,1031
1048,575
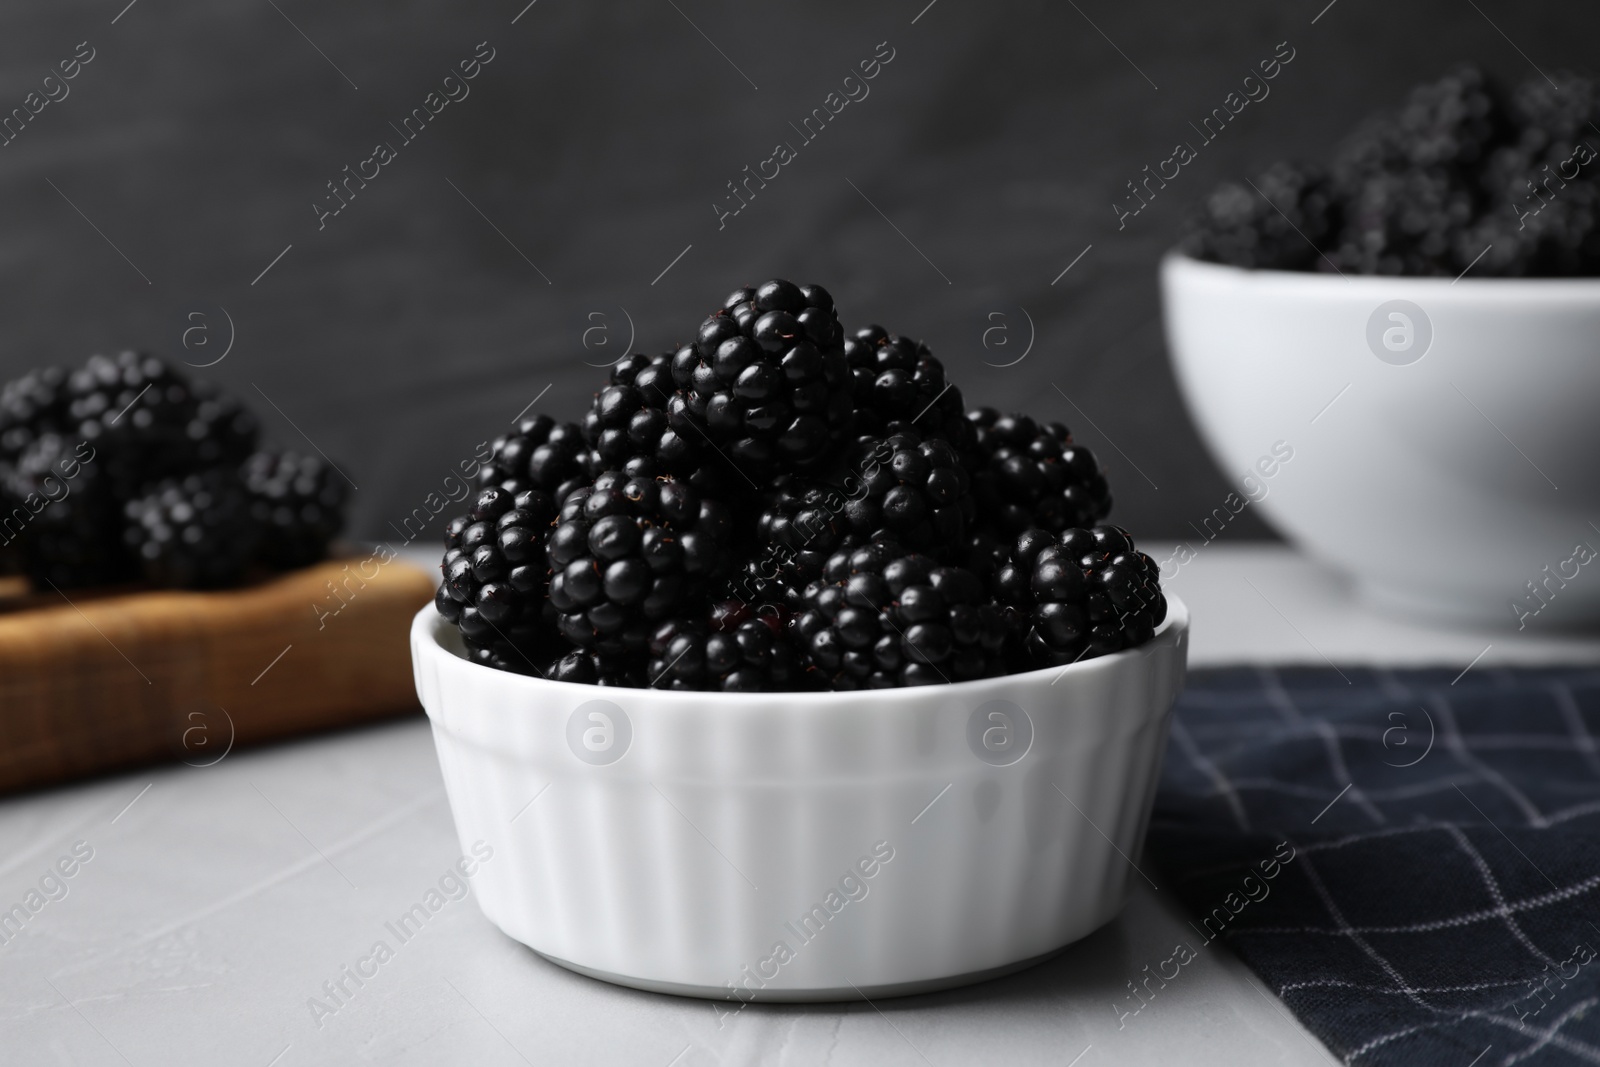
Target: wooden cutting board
101,682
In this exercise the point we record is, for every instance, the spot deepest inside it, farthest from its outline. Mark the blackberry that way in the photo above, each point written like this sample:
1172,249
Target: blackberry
897,384
907,489
58,508
593,668
31,406
221,431
193,532
1448,126
1407,181
901,488
765,382
1403,223
1239,226
1542,189
495,578
1461,176
632,550
1026,475
540,453
629,415
986,552
298,502
801,525
753,657
1085,592
881,617
135,410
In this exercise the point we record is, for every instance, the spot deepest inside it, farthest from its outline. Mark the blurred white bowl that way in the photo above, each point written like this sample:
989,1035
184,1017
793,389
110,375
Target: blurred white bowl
893,842
1446,446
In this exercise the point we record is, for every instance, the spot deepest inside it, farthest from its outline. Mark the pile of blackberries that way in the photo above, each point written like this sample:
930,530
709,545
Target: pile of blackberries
1467,174
776,505
127,471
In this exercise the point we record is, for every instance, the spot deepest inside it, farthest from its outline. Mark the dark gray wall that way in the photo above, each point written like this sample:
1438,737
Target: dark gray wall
596,143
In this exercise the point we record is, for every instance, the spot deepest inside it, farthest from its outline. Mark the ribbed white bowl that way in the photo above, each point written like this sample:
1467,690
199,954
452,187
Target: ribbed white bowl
679,851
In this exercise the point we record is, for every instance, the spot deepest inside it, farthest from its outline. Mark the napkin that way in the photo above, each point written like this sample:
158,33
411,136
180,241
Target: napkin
1408,859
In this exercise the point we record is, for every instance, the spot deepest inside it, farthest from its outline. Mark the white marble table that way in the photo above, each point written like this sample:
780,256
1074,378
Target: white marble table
219,900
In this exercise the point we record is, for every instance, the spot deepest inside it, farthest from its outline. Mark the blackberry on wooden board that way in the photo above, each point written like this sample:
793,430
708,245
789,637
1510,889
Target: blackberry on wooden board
194,531
221,431
59,510
298,502
881,617
136,410
31,406
765,382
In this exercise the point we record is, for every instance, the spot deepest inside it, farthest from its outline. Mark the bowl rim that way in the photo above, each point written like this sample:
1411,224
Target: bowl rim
428,626
1176,257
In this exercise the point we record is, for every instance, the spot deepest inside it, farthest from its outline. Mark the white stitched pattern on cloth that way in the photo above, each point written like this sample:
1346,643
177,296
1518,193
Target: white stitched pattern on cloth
1211,771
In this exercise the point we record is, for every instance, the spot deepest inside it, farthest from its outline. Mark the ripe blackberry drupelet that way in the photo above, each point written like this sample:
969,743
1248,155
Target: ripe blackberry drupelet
298,503
495,578
1026,475
632,550
765,382
58,509
897,384
753,657
1085,592
193,532
881,617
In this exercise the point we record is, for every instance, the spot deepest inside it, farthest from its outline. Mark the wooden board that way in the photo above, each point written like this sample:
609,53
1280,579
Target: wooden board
109,681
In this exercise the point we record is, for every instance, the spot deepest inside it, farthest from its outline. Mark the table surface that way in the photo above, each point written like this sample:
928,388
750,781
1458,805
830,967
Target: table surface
219,899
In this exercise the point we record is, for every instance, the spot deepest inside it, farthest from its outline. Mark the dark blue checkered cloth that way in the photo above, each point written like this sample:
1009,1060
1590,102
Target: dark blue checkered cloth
1410,859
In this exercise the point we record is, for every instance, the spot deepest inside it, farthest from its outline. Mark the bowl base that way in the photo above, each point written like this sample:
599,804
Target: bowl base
810,995
1475,611
1429,606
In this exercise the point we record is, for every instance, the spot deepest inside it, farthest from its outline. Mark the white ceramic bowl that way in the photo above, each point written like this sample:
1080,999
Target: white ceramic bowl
1443,458
893,842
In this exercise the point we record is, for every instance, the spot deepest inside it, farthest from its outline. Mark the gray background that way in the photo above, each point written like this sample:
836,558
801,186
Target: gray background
594,145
